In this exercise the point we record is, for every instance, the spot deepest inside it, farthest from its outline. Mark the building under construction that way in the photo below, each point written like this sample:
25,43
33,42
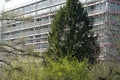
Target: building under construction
105,14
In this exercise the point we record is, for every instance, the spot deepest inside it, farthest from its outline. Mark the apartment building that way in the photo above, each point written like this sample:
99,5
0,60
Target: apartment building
105,14
35,30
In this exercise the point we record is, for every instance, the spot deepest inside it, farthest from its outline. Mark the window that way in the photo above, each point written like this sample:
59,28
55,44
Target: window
29,14
56,8
18,11
54,2
38,19
30,8
30,39
43,11
7,1
43,4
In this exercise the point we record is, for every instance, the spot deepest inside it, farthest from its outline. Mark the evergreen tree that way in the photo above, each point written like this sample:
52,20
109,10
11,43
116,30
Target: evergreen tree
71,33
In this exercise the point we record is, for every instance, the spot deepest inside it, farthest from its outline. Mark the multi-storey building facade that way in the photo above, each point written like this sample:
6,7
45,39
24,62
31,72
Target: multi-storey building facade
36,30
105,14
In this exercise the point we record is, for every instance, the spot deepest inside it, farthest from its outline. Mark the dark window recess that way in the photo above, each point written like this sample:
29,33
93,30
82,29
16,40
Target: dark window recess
92,7
18,23
13,25
92,19
52,16
38,36
38,19
46,17
43,27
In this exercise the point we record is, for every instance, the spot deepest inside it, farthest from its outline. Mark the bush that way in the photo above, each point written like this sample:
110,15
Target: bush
106,71
64,69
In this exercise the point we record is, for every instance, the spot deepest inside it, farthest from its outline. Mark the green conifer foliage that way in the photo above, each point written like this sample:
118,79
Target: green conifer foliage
71,33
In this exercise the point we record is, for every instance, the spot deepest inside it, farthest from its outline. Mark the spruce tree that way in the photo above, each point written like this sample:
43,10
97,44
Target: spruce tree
71,33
